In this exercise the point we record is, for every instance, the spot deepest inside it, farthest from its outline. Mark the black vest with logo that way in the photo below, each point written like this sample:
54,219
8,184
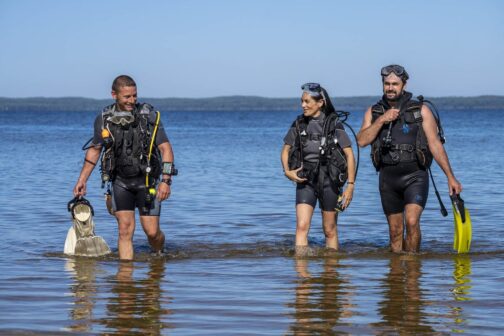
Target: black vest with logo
330,152
404,139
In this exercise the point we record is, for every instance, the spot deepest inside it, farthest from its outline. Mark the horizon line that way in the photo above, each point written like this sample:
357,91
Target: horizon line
233,96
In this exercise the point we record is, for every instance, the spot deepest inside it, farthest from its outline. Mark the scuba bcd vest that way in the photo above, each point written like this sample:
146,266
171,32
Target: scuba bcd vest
330,152
127,137
404,139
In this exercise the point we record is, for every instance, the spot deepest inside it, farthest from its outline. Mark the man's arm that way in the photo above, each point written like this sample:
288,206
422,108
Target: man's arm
437,149
164,190
90,161
369,129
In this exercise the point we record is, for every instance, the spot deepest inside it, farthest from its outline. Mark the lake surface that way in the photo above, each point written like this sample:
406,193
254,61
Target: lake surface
230,226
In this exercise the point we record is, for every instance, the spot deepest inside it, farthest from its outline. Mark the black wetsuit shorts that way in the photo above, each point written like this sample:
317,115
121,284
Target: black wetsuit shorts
401,184
129,193
309,192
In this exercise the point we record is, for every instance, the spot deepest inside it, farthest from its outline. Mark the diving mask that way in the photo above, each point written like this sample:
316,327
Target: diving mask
397,69
314,90
121,118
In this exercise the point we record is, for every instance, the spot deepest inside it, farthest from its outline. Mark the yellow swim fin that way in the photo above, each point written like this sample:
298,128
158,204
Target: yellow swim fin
463,227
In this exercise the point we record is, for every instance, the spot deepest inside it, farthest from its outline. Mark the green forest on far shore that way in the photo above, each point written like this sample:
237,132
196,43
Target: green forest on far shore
233,103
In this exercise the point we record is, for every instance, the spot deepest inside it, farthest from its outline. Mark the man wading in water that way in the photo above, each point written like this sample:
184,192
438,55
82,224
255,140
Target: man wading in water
404,137
137,153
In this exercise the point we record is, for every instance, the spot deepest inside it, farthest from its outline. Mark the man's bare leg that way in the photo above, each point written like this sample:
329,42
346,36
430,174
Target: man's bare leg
156,237
126,224
413,233
396,232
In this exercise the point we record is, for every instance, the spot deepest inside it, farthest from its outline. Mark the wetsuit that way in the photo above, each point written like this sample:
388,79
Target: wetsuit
402,180
129,191
309,191
401,184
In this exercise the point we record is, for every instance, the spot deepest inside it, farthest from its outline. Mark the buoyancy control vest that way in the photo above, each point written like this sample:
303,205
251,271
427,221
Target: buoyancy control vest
127,154
404,139
330,153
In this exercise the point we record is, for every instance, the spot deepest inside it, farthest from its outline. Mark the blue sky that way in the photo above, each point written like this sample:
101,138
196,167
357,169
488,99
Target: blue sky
198,48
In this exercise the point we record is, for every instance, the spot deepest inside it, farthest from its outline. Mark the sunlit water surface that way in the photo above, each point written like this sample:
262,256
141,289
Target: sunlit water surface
230,227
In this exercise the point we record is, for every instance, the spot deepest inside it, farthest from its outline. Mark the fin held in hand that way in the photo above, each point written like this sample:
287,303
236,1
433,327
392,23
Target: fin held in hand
81,239
463,227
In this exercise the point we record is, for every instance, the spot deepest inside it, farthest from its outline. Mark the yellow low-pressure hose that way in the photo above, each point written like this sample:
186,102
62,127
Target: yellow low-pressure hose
158,116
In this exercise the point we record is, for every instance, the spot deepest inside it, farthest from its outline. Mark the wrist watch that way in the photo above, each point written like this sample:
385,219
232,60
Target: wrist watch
167,181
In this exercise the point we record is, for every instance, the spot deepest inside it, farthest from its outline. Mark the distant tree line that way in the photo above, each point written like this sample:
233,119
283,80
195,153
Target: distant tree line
232,103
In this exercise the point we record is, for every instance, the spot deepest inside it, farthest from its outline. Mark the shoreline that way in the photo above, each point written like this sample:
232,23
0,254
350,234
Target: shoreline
232,103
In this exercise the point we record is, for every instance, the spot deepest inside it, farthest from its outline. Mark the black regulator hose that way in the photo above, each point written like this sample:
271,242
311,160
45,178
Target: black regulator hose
86,146
443,209
442,138
435,111
343,116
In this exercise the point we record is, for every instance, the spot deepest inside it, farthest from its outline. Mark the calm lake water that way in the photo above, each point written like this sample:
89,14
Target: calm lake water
230,228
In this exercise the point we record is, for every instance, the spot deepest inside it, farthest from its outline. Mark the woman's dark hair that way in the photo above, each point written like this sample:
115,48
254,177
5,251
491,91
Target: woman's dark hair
328,106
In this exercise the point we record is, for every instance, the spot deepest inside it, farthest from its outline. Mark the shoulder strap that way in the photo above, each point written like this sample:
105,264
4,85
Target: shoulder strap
331,123
145,108
377,110
435,113
146,119
301,124
147,111
107,110
415,107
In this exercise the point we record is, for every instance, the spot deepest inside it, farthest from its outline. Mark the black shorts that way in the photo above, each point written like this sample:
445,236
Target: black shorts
130,193
401,184
309,193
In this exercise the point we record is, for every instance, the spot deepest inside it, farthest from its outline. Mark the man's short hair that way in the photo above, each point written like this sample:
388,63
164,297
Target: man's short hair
122,80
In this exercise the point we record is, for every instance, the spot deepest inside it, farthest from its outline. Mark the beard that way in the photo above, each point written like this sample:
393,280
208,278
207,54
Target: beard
395,98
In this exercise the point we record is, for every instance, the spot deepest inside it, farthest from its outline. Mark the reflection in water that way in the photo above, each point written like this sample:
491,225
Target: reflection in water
402,306
461,289
84,291
321,301
136,305
462,263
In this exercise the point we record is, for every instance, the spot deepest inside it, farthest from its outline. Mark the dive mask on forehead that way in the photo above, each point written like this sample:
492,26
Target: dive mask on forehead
397,69
313,89
121,118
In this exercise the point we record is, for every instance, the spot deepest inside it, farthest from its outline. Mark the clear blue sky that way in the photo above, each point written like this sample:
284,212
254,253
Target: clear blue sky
203,48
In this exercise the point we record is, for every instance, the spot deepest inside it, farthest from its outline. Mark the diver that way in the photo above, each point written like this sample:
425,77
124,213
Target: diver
318,156
405,137
135,153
